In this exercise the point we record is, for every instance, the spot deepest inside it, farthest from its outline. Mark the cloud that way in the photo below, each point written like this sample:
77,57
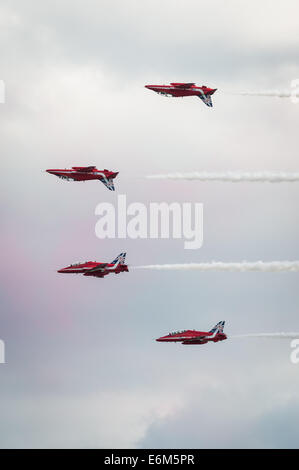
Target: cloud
80,351
225,414
154,39
89,421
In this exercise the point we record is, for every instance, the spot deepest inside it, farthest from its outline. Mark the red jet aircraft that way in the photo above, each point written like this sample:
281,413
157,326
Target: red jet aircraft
92,268
196,337
84,173
185,89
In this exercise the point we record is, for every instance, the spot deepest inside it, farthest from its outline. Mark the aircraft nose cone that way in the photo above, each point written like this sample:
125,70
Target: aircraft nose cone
62,270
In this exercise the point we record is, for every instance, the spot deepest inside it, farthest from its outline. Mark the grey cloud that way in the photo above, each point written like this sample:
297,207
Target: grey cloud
126,43
75,73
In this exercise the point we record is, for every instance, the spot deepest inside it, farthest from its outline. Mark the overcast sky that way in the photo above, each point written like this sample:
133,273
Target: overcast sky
82,367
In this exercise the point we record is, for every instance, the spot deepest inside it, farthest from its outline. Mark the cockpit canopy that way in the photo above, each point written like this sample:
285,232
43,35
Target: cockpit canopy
179,332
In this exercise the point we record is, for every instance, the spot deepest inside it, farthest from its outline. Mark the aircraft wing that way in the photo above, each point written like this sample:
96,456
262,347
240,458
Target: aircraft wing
97,274
194,339
83,169
100,268
206,99
108,183
98,271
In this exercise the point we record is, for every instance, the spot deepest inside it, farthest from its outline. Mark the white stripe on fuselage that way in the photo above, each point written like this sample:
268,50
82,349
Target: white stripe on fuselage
183,338
108,268
165,87
98,173
114,266
79,269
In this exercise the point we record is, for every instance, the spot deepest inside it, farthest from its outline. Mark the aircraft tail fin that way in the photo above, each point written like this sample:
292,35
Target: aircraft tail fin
206,99
218,328
108,182
120,259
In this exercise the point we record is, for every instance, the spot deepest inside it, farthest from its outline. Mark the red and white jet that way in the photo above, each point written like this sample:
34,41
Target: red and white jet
92,268
196,337
185,89
84,173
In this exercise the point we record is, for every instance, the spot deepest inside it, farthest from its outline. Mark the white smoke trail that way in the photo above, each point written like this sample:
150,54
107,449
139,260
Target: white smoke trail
231,176
276,93
272,266
269,335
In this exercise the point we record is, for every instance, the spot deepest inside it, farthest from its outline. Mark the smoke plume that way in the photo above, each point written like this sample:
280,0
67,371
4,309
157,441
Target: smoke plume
269,335
271,266
234,177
